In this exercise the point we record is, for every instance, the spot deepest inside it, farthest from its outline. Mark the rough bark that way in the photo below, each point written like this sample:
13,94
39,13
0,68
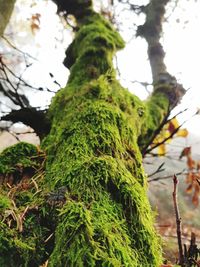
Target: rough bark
90,208
6,8
151,30
167,92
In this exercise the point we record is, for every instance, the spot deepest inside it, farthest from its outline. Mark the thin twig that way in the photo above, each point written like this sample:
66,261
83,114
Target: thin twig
165,139
165,177
17,49
178,222
159,169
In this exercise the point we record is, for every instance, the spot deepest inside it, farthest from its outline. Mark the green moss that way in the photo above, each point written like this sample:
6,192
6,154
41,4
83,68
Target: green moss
157,109
88,243
22,239
99,41
22,155
5,203
92,150
23,249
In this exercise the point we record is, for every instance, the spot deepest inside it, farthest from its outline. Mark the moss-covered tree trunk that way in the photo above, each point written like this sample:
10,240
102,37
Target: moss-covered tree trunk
90,208
92,150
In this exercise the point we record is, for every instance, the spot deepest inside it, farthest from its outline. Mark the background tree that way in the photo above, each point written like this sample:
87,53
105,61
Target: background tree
94,133
6,8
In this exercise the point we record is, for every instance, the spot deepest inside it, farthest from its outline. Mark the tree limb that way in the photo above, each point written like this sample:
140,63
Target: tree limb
36,119
167,91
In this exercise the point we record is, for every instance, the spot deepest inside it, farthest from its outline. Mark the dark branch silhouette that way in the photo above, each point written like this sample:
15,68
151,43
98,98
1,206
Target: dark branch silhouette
32,117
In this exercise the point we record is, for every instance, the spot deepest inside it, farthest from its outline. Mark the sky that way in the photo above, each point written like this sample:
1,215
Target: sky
180,40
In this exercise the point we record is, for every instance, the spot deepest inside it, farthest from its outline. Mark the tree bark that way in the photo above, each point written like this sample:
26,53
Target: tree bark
167,92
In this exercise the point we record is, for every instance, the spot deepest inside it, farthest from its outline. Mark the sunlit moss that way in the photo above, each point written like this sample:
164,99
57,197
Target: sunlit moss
92,150
22,154
157,110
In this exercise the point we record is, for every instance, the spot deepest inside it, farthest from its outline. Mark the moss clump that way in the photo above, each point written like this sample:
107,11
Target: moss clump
99,42
157,110
22,154
22,227
26,248
5,204
98,238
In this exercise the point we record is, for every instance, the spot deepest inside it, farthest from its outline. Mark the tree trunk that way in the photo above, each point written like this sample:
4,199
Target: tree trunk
92,151
6,8
91,207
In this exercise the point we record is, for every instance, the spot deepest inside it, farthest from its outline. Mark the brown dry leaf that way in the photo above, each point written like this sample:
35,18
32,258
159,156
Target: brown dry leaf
185,152
198,263
36,17
197,187
190,162
194,186
195,199
35,22
189,189
34,27
198,165
189,178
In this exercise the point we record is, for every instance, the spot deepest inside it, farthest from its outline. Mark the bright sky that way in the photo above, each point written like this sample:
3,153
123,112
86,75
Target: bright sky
181,42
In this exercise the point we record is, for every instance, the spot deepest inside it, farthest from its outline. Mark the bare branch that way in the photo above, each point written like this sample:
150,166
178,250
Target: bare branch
36,119
165,177
164,140
14,96
159,169
25,54
178,222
